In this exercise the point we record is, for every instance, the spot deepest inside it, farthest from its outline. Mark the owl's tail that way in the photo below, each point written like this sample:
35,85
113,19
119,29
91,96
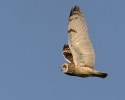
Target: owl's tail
100,74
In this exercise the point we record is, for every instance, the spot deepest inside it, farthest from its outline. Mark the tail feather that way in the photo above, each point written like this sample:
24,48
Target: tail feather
100,75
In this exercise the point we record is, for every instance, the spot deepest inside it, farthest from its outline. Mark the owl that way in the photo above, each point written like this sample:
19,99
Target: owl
79,52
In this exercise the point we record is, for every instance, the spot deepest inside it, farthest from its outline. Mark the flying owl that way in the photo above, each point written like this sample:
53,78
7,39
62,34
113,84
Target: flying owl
79,52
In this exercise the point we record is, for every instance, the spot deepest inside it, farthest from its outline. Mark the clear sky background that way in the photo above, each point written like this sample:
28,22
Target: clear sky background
32,34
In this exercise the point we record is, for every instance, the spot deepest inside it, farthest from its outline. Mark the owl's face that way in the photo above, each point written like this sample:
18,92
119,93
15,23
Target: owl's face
64,67
68,68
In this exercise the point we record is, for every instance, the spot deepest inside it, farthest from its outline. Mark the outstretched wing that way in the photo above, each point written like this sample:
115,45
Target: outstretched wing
67,53
78,39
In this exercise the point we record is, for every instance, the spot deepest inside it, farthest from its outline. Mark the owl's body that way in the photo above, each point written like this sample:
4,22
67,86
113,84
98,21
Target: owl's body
72,70
79,52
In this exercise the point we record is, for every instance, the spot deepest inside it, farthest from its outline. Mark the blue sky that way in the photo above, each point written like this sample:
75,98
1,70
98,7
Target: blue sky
32,34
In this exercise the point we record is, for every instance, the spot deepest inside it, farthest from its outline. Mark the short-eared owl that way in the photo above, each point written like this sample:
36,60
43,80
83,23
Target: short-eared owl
79,52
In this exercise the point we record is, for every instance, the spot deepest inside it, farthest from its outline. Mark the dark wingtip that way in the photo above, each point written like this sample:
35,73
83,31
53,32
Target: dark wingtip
100,75
76,8
71,12
103,75
65,46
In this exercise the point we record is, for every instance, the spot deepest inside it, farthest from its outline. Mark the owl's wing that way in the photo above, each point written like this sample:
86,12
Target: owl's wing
78,39
67,53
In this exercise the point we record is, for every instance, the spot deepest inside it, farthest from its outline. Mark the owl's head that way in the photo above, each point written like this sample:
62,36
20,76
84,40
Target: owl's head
64,67
68,68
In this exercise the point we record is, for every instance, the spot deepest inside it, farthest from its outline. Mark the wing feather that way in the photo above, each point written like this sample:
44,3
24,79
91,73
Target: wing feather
67,53
78,39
